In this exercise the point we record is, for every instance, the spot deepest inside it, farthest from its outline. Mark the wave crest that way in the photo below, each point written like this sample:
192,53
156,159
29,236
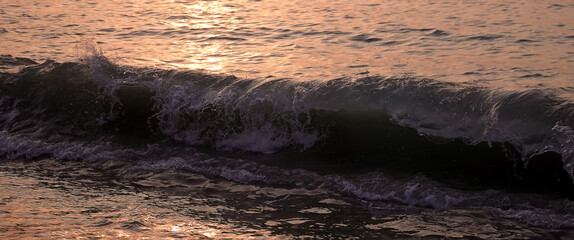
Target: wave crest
96,98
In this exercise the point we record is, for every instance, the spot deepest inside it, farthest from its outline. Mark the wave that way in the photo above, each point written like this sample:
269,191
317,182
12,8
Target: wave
376,118
383,191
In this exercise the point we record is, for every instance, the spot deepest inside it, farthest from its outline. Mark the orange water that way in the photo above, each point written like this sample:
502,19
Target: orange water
511,44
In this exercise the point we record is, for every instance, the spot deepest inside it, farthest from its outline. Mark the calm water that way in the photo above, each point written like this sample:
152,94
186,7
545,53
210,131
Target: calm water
287,119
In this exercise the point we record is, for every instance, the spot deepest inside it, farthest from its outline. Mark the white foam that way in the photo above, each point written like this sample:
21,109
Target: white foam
564,135
20,147
541,217
418,191
246,115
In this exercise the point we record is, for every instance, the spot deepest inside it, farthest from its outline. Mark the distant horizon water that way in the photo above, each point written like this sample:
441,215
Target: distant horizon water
516,44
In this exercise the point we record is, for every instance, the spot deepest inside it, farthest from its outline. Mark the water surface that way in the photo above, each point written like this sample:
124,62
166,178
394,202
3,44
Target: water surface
287,119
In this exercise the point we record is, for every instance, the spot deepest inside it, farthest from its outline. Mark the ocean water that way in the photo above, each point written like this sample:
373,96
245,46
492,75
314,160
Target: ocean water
297,119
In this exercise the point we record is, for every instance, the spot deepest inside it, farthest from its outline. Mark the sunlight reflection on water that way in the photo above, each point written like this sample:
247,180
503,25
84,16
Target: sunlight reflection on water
32,208
504,44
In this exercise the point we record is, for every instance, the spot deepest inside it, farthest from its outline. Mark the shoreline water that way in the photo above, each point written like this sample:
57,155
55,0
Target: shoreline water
69,199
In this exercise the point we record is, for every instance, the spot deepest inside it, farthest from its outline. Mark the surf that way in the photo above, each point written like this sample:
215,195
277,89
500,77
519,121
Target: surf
393,121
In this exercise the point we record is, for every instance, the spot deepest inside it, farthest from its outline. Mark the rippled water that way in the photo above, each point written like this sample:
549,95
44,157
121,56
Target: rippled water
67,200
519,44
287,119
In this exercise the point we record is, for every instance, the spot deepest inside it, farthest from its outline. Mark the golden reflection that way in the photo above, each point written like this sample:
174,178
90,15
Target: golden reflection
180,24
34,208
190,227
206,14
205,51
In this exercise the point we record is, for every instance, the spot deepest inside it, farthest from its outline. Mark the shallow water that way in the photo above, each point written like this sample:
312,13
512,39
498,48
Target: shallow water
273,119
69,200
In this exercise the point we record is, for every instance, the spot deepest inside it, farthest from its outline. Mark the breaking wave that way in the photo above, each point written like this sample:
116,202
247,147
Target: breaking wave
393,120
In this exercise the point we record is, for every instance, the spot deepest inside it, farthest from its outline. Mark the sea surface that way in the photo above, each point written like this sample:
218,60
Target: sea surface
268,119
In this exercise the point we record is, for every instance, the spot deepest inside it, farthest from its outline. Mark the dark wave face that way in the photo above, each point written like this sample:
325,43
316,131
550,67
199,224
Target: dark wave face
477,134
